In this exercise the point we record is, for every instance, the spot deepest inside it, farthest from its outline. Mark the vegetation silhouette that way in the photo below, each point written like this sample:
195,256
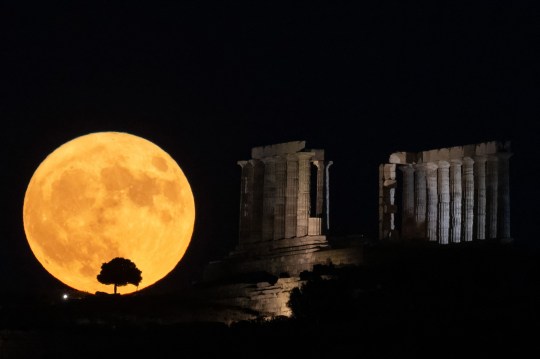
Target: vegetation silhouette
119,271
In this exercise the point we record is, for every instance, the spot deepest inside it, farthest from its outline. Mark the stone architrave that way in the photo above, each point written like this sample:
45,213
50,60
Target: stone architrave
269,198
420,200
279,203
480,191
257,200
443,182
432,201
303,204
504,196
408,220
291,196
245,199
492,183
468,199
455,200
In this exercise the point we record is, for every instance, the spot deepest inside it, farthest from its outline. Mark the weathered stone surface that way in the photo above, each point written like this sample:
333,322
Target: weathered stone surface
278,149
456,200
471,200
279,237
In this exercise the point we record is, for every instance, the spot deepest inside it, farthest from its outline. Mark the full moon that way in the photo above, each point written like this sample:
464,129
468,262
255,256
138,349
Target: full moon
105,195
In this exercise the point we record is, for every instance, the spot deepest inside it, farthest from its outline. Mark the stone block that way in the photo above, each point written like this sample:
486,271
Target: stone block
277,149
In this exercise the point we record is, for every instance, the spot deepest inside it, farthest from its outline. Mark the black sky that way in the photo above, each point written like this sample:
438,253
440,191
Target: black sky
208,81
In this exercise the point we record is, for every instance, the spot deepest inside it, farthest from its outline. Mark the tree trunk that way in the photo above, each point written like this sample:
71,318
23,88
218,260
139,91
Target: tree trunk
115,289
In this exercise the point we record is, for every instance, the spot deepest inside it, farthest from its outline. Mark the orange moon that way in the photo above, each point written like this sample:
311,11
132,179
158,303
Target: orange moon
105,195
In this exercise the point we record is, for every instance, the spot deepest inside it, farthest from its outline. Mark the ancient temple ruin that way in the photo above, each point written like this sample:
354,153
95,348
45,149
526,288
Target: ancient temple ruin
283,222
448,195
276,196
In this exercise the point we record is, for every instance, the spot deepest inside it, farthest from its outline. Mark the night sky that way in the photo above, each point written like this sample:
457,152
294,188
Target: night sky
207,82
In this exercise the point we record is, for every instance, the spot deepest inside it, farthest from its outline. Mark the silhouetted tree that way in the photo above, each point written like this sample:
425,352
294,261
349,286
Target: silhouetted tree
119,271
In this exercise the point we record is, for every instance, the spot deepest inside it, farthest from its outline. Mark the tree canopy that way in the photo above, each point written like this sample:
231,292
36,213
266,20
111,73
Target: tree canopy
119,271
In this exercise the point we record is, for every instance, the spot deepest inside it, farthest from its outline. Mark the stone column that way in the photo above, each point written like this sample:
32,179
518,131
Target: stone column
480,189
468,199
269,198
388,207
303,204
492,185
443,184
257,202
327,176
420,200
504,196
320,183
381,201
432,201
279,203
244,221
455,200
407,221
291,196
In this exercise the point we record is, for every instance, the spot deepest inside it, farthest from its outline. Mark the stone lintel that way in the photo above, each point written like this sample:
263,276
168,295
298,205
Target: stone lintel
402,157
277,149
318,154
458,152
486,148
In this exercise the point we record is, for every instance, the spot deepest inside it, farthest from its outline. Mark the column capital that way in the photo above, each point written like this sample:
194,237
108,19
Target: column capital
456,162
492,158
468,161
242,163
443,164
431,166
318,163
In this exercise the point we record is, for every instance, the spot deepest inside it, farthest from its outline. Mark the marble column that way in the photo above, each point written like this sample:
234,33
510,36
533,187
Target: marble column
492,186
257,201
279,203
480,189
381,201
269,198
407,220
245,212
327,180
432,201
420,200
303,204
455,200
320,190
443,184
468,199
387,207
291,196
504,196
